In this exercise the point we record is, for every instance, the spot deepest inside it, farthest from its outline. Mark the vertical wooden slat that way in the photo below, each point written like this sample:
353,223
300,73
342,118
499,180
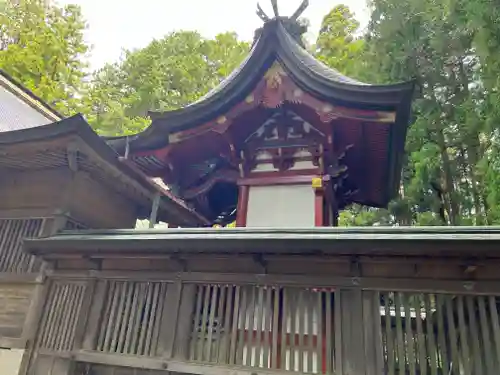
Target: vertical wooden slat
126,317
204,319
172,319
235,323
276,328
111,317
379,349
284,331
338,322
292,304
49,312
228,318
301,322
328,329
268,328
210,328
185,314
311,304
260,329
82,306
106,314
152,317
431,346
421,346
440,309
68,330
194,352
134,317
10,244
242,326
391,363
496,326
118,321
453,338
59,312
15,247
4,236
221,332
464,341
410,344
63,326
370,323
485,329
136,330
320,331
250,330
10,241
399,334
145,319
477,360
95,322
354,314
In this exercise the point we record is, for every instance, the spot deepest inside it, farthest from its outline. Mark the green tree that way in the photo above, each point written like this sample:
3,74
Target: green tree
169,73
338,45
450,47
42,46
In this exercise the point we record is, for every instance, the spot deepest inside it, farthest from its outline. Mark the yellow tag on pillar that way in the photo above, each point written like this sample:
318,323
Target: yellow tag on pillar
317,182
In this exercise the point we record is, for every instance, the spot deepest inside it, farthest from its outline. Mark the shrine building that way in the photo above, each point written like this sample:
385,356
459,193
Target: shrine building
279,148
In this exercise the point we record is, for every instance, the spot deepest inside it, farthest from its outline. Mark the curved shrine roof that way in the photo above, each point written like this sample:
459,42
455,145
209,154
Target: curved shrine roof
275,43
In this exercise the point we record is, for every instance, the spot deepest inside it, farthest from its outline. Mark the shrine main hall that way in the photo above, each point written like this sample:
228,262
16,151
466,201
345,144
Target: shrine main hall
249,273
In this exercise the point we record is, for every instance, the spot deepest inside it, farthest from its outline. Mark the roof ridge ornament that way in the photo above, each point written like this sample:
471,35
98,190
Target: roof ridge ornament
264,17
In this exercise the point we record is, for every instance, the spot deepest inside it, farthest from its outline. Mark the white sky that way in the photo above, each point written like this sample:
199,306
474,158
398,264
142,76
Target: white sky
114,25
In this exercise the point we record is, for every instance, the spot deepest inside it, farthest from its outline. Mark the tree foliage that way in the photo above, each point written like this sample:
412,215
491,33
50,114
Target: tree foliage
167,74
42,46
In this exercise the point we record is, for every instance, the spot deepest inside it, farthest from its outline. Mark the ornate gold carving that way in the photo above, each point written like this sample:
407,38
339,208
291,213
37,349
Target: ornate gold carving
317,183
274,76
221,120
174,138
297,93
326,108
386,117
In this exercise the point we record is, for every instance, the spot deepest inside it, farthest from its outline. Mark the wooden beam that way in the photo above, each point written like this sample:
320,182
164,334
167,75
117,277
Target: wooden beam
154,210
366,283
72,156
242,209
163,364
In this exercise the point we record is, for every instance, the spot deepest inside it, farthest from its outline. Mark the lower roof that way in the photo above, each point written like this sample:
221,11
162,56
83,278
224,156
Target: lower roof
405,241
47,146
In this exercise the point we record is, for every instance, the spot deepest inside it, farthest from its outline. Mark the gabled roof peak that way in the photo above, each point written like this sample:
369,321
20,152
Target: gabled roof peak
292,25
264,17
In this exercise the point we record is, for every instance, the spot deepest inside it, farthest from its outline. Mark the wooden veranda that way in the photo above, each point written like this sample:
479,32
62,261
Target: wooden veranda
241,301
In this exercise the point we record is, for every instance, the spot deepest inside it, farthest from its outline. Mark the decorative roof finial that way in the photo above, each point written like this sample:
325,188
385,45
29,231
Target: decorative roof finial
274,3
264,17
300,10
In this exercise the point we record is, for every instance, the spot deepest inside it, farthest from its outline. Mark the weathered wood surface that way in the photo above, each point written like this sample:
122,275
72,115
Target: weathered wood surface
62,190
200,327
14,303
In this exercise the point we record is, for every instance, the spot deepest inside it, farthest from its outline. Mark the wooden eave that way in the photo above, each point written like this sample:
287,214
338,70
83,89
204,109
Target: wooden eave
53,144
460,242
27,96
